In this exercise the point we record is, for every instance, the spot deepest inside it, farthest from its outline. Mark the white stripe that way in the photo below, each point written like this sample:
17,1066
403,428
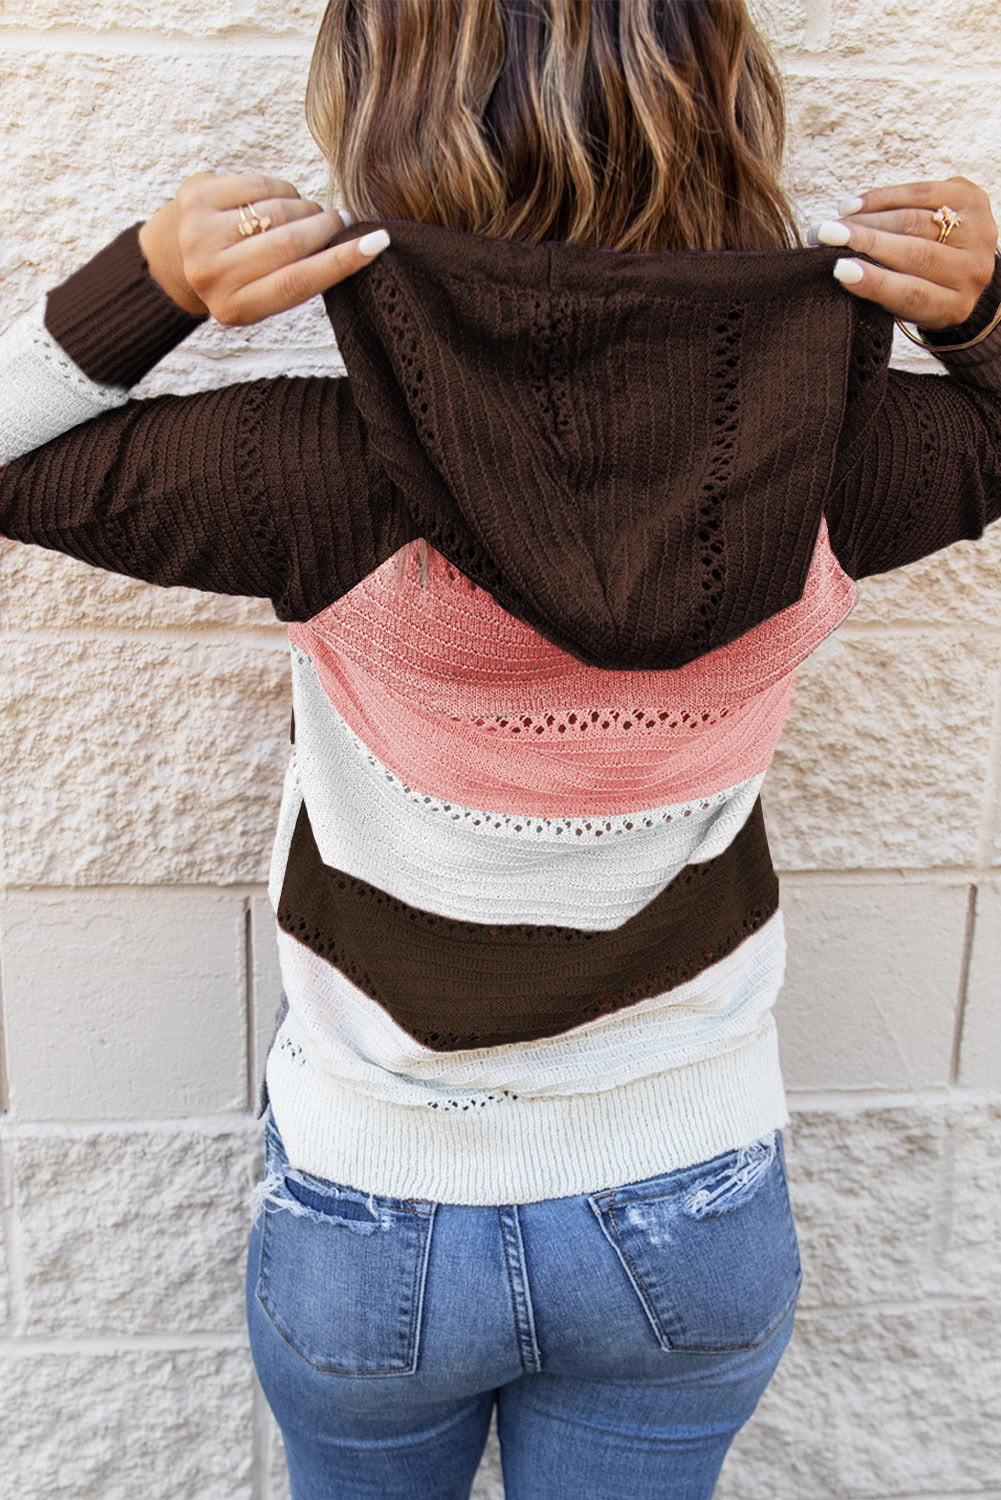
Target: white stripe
593,873
42,392
522,1150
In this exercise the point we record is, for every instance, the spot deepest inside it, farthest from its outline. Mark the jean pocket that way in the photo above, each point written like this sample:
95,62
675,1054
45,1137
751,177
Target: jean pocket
711,1251
341,1272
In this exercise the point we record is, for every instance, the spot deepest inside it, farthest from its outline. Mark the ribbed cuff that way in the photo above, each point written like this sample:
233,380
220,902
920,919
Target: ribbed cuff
112,318
987,305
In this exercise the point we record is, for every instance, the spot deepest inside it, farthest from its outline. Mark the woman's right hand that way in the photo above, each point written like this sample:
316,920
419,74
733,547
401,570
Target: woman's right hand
195,250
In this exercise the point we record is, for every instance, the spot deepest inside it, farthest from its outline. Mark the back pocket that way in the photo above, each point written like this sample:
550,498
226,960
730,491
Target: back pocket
711,1251
342,1272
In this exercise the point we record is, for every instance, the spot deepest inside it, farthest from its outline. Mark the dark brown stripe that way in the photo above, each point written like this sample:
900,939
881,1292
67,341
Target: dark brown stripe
113,320
453,984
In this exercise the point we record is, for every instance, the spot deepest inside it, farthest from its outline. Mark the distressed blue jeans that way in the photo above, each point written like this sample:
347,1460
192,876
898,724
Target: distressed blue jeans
624,1335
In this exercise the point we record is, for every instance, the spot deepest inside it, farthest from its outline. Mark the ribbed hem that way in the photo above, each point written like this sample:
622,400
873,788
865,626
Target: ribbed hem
112,318
523,1150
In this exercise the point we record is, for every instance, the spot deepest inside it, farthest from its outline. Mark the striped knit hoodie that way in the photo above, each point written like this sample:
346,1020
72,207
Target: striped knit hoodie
528,924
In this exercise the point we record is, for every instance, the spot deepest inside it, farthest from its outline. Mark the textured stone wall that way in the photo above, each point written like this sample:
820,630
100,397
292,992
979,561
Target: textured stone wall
142,743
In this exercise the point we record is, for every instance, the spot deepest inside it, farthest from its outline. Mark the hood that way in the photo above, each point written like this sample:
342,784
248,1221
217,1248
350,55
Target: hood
629,451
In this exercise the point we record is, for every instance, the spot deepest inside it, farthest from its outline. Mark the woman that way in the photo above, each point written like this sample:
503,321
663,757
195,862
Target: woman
550,556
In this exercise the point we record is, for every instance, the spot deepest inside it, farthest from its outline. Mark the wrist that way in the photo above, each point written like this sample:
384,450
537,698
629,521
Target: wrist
158,243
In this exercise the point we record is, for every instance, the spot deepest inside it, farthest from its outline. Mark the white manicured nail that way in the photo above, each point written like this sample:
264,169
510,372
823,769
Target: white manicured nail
348,221
848,271
850,206
373,242
830,232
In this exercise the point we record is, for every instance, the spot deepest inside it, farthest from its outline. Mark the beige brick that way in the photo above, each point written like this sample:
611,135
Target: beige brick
191,112
895,1204
6,1188
48,590
134,1232
872,1401
139,761
267,985
980,1052
788,24
872,983
936,31
848,133
123,1423
956,588
234,19
124,1003
885,761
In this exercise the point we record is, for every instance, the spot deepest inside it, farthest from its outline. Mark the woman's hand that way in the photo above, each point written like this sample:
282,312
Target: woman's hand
195,250
934,285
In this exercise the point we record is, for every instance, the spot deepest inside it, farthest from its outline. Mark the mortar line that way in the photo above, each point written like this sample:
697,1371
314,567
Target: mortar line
236,42
856,1101
131,1343
818,25
250,1049
799,62
14,1246
942,1301
269,637
992,796
948,876
243,1122
170,46
4,1079
964,981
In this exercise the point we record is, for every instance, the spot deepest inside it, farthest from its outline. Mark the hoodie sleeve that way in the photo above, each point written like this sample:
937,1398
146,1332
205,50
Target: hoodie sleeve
74,354
929,473
266,488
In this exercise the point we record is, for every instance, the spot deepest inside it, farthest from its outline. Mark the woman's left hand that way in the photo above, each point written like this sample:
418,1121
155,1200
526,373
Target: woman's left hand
918,279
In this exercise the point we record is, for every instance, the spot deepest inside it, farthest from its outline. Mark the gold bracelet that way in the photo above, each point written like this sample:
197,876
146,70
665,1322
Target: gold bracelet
948,348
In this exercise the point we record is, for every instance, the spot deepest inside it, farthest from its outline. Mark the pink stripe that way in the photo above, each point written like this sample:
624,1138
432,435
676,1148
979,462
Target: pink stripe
462,701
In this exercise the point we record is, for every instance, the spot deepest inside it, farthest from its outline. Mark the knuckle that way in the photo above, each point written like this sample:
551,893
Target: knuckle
258,185
982,270
923,307
196,275
228,312
924,259
915,222
296,284
926,189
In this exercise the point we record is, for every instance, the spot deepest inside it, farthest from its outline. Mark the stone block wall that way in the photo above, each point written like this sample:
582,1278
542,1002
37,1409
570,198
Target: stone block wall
142,742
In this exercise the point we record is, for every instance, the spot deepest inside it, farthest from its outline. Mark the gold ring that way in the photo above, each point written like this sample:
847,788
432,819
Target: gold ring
946,219
250,223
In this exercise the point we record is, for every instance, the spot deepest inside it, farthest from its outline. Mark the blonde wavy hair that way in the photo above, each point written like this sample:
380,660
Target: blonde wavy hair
627,124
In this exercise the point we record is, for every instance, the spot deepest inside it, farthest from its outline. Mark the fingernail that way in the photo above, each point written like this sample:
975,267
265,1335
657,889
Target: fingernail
830,232
348,221
848,271
850,206
373,242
